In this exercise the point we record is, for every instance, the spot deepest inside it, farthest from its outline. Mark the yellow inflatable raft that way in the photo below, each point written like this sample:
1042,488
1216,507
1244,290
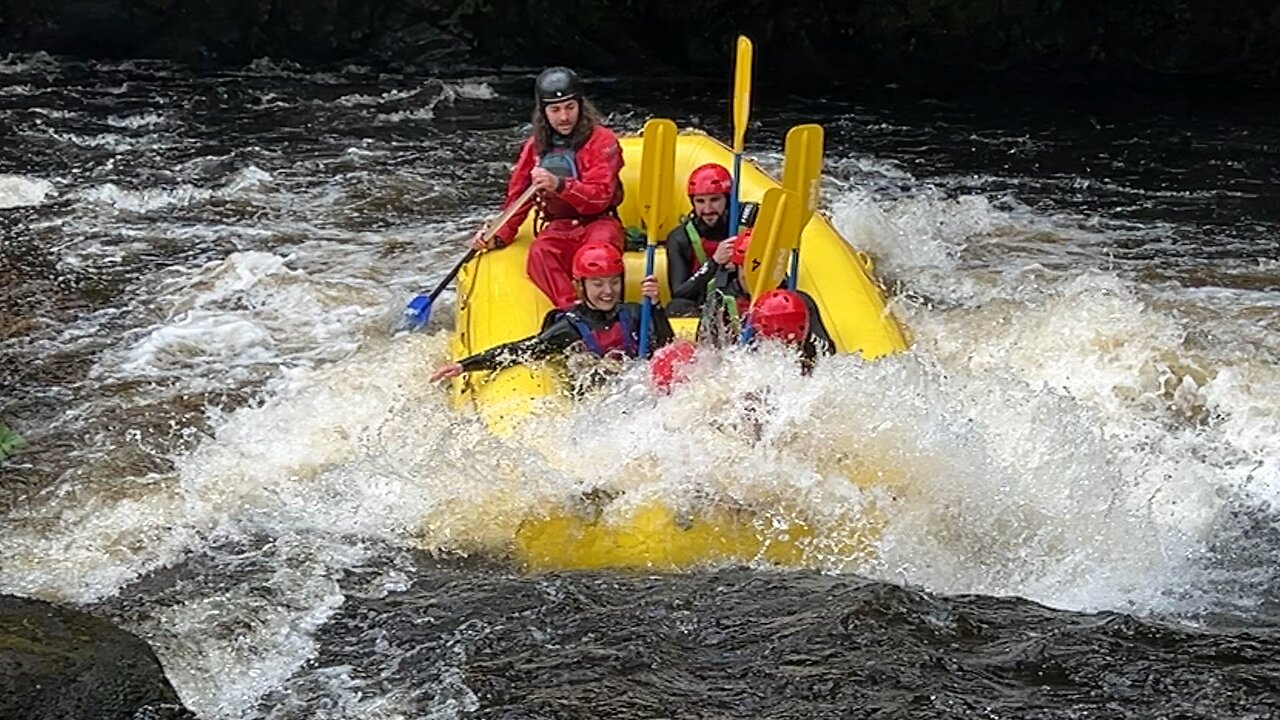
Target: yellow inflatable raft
497,303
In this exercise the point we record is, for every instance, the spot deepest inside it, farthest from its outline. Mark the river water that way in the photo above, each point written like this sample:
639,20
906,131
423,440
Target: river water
230,455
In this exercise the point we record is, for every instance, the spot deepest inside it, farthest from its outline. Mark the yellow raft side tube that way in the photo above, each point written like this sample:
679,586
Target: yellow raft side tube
497,303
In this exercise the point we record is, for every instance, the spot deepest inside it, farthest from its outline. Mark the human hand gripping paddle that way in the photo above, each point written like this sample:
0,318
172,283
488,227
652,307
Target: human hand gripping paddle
802,176
657,173
743,59
418,311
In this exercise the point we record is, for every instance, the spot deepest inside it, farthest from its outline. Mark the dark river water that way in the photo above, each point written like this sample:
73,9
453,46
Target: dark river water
229,454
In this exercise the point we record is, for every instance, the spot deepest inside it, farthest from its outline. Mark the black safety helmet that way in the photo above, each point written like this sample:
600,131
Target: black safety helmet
556,84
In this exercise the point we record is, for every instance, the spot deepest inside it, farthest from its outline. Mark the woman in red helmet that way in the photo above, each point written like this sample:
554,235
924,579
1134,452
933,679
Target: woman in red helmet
699,246
573,160
599,320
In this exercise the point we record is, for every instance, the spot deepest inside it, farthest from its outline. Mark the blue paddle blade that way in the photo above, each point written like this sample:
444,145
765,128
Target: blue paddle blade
417,313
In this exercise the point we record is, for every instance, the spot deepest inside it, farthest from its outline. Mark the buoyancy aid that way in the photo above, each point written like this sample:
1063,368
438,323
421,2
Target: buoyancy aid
702,248
560,160
601,341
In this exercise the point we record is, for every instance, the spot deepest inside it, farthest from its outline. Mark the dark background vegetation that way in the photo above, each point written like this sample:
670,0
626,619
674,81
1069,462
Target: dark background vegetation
1232,43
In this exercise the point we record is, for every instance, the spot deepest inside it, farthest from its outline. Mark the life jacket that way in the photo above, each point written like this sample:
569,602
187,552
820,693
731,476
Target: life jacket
617,336
702,248
561,160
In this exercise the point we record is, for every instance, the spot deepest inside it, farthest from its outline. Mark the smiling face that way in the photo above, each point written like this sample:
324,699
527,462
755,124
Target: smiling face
562,116
602,293
709,208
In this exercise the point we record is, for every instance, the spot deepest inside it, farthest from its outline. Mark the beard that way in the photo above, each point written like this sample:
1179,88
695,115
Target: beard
719,222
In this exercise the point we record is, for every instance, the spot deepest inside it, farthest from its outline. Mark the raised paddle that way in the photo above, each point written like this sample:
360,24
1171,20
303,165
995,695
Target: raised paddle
743,59
657,173
765,265
418,311
802,176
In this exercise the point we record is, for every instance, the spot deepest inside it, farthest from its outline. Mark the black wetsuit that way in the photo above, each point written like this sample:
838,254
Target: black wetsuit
689,286
560,332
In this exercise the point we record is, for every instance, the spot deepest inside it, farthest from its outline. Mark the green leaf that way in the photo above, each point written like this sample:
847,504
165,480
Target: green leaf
10,442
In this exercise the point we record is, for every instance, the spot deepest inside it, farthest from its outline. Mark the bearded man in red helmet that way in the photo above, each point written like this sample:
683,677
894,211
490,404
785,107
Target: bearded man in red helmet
598,321
700,246
573,160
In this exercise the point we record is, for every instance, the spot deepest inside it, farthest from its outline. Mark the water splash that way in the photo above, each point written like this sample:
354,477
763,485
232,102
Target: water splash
19,191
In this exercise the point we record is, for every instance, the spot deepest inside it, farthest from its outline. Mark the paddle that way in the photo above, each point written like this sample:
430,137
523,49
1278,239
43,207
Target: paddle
657,173
801,175
765,265
741,112
418,311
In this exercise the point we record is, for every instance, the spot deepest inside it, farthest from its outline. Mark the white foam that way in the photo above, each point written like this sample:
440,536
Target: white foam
19,191
108,141
133,122
314,443
245,183
14,63
423,113
359,100
201,339
919,239
145,200
224,652
448,94
473,90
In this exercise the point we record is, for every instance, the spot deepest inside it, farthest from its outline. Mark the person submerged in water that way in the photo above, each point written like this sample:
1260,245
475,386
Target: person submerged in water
599,321
779,315
728,300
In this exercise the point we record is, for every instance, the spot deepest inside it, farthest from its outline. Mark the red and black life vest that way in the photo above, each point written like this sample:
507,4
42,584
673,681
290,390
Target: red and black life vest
618,336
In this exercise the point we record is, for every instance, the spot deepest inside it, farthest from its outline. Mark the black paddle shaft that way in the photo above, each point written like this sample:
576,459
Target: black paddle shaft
452,274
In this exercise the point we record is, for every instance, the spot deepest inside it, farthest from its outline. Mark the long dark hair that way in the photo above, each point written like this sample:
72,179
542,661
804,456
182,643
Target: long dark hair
588,119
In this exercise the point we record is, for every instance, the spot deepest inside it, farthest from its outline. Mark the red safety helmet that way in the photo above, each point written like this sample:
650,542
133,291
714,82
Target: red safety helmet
741,243
597,260
710,179
671,365
781,315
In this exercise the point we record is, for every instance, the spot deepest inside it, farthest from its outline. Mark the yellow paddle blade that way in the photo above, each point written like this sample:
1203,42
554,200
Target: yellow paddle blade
657,173
802,176
765,266
742,63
